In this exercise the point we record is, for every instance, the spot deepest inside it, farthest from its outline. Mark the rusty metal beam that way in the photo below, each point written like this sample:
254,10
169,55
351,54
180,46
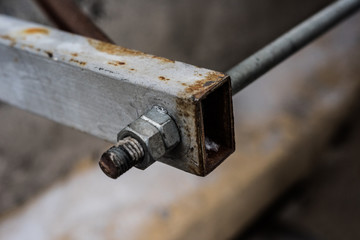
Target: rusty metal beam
243,74
100,88
205,95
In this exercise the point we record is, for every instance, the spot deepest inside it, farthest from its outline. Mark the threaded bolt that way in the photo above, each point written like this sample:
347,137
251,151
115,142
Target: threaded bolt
121,157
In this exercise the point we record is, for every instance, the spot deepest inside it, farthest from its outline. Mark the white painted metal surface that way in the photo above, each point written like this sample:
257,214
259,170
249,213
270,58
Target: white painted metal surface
99,88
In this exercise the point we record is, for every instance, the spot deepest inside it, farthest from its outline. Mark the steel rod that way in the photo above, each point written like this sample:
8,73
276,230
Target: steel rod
262,61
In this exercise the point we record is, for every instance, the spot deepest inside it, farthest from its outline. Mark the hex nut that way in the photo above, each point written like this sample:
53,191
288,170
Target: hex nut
165,124
157,133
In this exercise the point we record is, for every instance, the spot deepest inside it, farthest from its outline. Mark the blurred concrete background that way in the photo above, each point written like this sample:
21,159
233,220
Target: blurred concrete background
36,153
326,204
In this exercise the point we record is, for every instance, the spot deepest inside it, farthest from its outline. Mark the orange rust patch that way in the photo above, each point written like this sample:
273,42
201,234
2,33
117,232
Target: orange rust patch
74,54
116,63
202,84
121,51
26,46
11,39
132,69
184,110
7,37
162,78
163,59
113,49
36,31
78,62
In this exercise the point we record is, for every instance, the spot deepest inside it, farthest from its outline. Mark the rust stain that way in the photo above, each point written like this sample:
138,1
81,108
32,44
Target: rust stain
26,46
36,31
132,69
11,39
50,54
116,63
7,37
162,78
184,111
197,74
113,49
74,54
188,112
163,59
78,62
202,84
121,51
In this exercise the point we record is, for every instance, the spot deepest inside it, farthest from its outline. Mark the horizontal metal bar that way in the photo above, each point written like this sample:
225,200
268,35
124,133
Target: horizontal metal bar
100,88
262,61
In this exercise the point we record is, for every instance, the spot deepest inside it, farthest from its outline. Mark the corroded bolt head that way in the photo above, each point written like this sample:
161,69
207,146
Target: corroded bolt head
115,161
121,157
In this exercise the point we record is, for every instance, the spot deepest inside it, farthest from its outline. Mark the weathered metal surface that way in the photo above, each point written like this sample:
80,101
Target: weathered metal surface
99,88
282,120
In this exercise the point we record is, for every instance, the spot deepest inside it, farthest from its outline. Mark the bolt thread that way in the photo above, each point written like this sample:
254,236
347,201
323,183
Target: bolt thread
121,157
132,147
